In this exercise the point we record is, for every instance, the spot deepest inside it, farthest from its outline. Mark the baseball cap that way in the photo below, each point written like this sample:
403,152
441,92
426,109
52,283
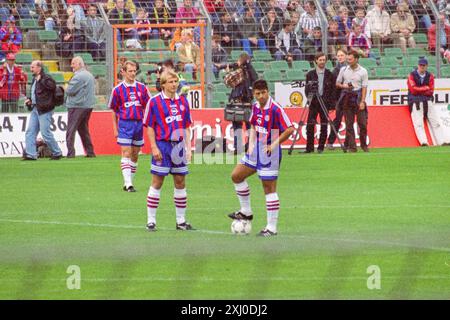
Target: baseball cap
423,61
10,56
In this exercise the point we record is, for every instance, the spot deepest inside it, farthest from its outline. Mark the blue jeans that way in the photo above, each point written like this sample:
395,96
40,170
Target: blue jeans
247,47
4,15
40,123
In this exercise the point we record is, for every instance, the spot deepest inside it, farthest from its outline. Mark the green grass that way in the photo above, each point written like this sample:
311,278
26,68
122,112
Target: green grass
340,214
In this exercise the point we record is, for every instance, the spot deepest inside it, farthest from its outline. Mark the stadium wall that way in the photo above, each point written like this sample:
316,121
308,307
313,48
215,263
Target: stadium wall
388,127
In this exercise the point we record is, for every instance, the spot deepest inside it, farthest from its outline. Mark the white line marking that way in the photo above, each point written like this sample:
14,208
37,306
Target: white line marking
292,236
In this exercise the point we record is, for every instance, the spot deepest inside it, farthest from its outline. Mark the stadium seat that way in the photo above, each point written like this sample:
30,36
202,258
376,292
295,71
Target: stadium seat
375,52
24,58
445,72
384,73
58,77
49,35
329,65
301,65
279,65
98,70
86,56
432,70
410,61
421,38
389,62
262,55
259,66
26,24
156,44
416,51
272,76
294,75
368,63
235,54
220,97
393,52
404,72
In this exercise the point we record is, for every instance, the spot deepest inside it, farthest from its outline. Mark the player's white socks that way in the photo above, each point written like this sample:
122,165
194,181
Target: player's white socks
133,168
180,199
152,204
243,194
273,207
126,171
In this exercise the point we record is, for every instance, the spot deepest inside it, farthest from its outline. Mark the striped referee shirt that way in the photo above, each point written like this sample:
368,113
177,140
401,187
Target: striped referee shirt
308,21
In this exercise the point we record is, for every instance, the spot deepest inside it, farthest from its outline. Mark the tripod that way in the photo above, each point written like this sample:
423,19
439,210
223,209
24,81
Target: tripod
301,122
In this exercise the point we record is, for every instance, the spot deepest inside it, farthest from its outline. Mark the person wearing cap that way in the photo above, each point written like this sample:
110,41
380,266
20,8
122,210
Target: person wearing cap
13,83
420,93
10,36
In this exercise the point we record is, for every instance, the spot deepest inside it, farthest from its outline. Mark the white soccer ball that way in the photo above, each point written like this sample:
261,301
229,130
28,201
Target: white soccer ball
241,227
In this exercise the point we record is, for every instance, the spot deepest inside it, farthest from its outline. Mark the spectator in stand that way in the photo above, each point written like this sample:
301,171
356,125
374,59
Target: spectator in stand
424,12
219,55
402,27
20,9
13,82
10,36
187,13
121,15
94,29
189,53
293,6
313,44
228,30
359,42
379,25
48,13
332,9
270,28
361,20
250,32
127,5
336,39
70,35
161,14
287,45
274,4
444,35
143,33
310,19
254,6
344,21
214,7
78,6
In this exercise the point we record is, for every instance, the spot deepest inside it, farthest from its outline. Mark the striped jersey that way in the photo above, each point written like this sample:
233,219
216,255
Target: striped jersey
272,117
168,117
129,100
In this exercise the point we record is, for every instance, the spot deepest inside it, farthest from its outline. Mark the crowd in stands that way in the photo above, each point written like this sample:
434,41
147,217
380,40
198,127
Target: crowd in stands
289,29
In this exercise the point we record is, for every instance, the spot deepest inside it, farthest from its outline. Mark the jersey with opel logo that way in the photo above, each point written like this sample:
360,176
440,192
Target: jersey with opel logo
129,100
168,117
272,117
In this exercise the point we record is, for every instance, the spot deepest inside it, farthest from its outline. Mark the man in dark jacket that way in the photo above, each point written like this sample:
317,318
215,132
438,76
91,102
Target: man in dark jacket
41,103
120,15
319,81
242,93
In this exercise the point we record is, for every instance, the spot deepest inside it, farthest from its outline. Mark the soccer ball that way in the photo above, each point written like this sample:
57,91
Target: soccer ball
241,227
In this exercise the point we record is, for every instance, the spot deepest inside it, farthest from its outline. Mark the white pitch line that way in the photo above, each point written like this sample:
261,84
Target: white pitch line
231,279
292,236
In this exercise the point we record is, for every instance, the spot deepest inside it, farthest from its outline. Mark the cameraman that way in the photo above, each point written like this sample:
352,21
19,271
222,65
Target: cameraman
241,93
354,79
319,81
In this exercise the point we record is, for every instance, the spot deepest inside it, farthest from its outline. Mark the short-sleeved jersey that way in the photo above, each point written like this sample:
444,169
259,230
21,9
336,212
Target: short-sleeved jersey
129,100
168,117
272,117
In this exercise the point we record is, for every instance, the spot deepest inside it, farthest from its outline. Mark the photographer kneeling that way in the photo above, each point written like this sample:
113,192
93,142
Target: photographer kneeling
319,82
241,80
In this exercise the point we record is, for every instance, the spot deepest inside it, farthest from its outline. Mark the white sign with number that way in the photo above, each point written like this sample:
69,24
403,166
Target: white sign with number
195,99
14,125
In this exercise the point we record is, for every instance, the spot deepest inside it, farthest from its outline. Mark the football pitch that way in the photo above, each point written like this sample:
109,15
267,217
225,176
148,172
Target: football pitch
352,226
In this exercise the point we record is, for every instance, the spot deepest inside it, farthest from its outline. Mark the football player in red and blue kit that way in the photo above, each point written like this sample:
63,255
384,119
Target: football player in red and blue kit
270,127
168,120
128,101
